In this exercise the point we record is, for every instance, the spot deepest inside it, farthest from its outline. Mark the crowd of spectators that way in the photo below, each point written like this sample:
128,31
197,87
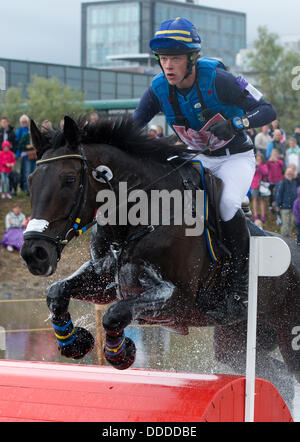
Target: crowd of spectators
17,154
276,183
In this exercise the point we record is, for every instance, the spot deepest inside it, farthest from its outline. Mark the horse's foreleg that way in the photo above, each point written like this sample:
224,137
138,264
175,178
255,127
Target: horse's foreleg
119,350
74,342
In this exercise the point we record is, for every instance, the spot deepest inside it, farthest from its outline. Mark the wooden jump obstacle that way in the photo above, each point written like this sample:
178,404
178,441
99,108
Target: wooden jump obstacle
39,391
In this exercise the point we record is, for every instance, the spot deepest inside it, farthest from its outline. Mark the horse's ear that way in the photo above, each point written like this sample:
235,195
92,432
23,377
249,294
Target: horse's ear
37,139
71,131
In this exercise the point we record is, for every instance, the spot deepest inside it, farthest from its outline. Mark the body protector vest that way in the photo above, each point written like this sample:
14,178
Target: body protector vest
190,115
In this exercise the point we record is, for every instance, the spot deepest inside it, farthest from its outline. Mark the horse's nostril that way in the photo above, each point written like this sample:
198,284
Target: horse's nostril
41,254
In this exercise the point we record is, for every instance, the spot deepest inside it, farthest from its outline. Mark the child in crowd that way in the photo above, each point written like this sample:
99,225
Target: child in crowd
261,174
296,212
285,197
7,162
275,175
15,222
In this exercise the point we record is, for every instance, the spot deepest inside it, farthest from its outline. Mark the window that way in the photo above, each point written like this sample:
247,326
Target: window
73,73
108,85
19,67
57,71
227,23
212,21
37,69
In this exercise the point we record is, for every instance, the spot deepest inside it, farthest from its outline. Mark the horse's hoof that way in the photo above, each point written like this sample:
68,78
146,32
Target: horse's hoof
126,359
117,317
81,346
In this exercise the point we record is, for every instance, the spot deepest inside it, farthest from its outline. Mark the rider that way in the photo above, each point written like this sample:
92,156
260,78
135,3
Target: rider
190,91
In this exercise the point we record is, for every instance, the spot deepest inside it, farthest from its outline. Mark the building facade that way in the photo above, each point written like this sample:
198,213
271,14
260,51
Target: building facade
114,27
96,83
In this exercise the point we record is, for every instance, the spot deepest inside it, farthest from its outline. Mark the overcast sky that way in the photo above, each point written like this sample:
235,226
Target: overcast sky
49,30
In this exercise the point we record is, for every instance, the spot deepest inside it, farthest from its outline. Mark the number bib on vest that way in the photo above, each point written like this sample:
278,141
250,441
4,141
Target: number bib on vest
202,139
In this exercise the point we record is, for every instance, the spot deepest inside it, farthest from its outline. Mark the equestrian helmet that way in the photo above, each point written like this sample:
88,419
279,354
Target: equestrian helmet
177,36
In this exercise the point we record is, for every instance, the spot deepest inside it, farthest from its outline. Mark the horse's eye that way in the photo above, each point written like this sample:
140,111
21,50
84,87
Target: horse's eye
70,180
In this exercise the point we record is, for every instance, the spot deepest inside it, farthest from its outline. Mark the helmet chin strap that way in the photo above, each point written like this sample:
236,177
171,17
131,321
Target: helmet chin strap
189,67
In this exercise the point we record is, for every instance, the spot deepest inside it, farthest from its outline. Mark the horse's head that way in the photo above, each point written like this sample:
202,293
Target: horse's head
58,190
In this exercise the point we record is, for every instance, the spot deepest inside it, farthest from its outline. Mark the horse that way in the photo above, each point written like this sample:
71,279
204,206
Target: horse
150,274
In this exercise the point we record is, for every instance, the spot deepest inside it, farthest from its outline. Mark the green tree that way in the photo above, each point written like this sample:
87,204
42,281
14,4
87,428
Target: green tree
13,104
48,99
272,65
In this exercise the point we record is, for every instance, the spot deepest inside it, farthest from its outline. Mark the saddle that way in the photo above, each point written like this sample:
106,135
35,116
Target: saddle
212,186
216,282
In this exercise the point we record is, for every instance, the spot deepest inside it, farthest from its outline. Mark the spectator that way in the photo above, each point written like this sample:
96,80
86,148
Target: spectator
20,132
22,129
292,155
94,117
296,173
7,133
285,197
46,125
14,224
275,175
258,223
28,155
297,134
262,140
7,162
275,126
152,131
160,132
261,175
296,212
252,134
14,181
276,144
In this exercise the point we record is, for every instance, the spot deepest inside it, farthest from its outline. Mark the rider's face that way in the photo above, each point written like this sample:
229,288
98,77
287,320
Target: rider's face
174,67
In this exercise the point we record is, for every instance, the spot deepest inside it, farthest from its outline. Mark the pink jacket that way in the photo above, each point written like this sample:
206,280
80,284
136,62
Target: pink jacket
6,157
275,171
261,174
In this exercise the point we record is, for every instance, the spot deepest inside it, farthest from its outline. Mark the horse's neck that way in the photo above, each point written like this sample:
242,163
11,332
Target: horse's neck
136,172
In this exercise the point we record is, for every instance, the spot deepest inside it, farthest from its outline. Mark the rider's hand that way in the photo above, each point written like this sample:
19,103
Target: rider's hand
224,130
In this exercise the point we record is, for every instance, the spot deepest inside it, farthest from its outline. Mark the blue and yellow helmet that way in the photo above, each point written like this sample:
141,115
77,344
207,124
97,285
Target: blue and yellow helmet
177,36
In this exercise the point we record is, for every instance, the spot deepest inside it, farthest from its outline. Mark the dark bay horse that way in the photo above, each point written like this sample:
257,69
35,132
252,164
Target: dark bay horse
154,274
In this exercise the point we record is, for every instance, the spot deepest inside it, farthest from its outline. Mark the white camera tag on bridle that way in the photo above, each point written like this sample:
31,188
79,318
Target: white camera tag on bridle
100,171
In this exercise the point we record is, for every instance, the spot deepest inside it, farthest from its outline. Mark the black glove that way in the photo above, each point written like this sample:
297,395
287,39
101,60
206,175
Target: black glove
224,130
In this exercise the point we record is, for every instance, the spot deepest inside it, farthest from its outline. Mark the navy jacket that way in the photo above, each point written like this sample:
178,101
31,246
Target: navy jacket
229,90
286,193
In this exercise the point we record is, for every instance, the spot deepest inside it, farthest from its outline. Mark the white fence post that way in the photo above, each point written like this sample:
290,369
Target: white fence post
269,256
2,342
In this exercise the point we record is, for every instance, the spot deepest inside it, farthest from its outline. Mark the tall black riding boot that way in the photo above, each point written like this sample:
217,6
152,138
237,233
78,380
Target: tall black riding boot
234,306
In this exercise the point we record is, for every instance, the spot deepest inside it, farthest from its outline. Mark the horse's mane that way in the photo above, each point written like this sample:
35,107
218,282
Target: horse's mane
124,133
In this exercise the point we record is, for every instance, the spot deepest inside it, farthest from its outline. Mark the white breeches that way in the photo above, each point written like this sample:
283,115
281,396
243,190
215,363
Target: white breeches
236,172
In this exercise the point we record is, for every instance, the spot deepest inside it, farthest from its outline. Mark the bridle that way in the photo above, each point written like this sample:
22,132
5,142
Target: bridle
75,215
